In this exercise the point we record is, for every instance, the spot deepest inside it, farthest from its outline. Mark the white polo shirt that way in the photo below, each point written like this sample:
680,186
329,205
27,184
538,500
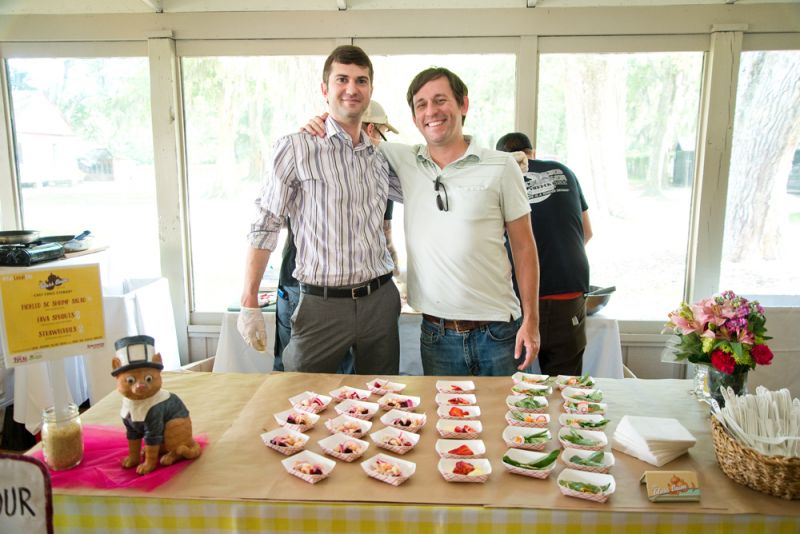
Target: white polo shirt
457,262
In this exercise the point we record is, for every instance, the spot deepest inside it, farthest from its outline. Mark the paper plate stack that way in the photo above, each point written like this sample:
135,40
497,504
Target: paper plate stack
655,440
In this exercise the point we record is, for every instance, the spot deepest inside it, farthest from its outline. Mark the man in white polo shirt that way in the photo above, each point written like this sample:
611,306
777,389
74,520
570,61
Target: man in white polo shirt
459,198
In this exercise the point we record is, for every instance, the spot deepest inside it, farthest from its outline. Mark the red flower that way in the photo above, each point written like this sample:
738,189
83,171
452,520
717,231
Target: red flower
762,354
723,362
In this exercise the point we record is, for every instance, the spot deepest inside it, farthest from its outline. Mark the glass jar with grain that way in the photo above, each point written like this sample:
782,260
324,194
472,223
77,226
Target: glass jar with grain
62,437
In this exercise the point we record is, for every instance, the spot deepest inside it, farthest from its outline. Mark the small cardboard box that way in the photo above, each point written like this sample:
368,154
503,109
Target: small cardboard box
670,486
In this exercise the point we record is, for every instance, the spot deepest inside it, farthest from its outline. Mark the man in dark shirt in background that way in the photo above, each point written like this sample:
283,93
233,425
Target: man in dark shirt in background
561,228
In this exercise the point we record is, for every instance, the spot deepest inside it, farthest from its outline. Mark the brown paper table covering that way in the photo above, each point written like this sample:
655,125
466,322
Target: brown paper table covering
234,409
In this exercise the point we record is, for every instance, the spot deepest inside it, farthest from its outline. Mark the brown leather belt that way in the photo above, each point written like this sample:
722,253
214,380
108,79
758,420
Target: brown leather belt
458,326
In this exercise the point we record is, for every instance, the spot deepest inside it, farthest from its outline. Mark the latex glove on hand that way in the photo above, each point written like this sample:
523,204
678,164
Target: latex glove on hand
522,160
252,328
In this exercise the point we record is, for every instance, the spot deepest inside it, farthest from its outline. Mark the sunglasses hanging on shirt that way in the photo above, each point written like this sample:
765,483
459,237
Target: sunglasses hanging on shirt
443,205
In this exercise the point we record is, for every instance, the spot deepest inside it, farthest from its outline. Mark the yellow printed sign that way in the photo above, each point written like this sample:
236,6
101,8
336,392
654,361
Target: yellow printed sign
51,313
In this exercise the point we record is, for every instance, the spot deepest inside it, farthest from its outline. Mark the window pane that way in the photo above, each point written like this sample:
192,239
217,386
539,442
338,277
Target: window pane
236,107
762,223
626,124
84,149
490,79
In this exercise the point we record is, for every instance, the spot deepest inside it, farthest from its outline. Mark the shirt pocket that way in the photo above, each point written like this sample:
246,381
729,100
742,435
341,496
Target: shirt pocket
473,202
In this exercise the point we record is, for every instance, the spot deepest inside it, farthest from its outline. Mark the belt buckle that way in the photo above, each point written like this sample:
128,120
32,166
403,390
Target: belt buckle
355,296
458,325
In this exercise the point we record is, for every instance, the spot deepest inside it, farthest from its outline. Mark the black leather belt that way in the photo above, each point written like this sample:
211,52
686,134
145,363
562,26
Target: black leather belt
346,292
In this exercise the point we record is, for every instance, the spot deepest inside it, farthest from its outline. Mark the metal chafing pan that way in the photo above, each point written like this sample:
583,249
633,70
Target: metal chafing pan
18,237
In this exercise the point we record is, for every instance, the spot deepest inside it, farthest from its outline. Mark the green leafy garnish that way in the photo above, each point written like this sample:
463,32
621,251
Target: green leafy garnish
595,460
584,381
584,487
595,396
539,464
538,437
590,407
529,403
590,424
522,390
577,439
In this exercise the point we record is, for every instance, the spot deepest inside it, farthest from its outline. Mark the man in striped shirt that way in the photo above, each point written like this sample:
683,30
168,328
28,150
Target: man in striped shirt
335,191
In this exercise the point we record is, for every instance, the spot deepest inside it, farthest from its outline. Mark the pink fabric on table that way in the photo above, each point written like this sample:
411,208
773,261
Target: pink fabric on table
104,447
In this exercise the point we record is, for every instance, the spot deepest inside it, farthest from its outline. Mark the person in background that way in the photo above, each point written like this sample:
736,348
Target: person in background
335,191
375,124
561,226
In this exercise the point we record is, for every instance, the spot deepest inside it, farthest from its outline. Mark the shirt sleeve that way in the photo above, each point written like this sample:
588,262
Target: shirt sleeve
513,199
278,192
386,152
584,205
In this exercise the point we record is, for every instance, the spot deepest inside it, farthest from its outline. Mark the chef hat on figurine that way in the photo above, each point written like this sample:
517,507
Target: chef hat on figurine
134,352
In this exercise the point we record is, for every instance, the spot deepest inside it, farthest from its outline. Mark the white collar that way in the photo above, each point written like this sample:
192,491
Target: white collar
138,408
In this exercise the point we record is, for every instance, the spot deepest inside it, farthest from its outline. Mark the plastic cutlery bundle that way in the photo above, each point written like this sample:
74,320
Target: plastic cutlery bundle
768,422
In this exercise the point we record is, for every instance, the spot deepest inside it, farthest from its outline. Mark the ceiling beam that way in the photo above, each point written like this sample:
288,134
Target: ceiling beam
155,5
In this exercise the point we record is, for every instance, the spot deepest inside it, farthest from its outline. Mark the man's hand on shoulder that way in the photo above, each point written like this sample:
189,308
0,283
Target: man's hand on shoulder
522,160
316,126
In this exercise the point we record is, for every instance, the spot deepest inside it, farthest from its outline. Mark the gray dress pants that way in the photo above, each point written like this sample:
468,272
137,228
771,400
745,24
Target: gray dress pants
323,329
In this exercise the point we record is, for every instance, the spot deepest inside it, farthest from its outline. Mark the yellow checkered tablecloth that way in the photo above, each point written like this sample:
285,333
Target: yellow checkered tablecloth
74,513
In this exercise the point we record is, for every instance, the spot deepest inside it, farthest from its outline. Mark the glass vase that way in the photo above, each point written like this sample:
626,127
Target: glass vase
718,380
700,378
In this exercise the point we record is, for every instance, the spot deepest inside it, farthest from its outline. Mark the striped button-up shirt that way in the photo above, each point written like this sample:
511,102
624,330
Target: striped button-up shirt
335,194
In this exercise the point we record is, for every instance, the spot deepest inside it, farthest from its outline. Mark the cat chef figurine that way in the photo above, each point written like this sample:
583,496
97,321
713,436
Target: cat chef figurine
148,411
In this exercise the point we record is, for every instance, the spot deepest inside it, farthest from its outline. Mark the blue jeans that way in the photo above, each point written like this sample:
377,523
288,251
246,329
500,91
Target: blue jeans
288,297
484,351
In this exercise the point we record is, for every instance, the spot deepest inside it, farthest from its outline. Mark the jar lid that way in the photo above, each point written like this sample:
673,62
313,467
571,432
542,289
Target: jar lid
134,352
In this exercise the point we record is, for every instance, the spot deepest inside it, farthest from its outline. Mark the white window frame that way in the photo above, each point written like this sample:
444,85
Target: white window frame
199,321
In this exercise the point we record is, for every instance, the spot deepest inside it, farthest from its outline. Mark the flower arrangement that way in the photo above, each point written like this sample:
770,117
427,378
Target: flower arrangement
725,331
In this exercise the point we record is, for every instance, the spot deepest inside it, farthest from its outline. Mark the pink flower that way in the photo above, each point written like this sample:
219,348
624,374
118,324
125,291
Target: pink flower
723,362
684,326
762,354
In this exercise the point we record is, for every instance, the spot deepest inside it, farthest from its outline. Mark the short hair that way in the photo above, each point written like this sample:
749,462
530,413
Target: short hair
347,55
513,142
458,87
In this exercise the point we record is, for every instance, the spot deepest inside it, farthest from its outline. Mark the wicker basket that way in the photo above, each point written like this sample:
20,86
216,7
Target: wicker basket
775,475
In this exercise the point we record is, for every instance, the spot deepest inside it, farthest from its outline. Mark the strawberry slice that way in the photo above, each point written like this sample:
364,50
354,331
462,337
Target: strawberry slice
462,450
464,429
458,412
454,387
463,468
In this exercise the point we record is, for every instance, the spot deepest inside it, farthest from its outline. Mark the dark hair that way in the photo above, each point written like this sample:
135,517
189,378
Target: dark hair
347,55
458,87
512,142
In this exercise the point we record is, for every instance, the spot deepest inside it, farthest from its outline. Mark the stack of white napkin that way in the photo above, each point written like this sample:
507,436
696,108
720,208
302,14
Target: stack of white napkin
655,440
